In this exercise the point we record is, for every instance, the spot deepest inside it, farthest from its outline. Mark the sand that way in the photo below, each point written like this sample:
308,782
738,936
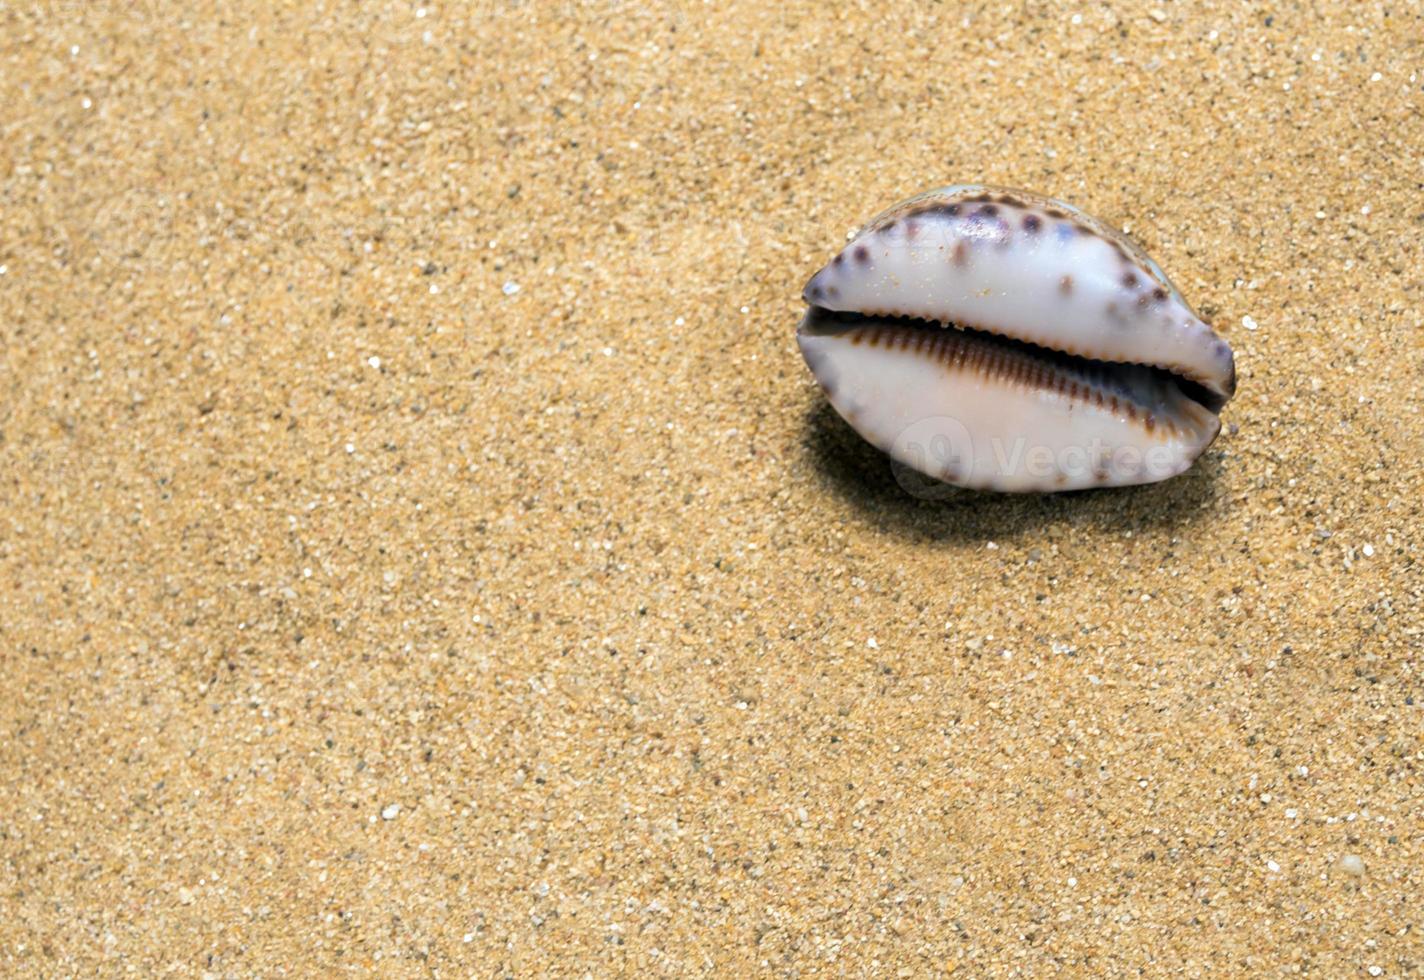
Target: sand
423,550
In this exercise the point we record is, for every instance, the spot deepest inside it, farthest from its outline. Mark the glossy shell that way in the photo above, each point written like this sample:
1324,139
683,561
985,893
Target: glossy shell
1003,340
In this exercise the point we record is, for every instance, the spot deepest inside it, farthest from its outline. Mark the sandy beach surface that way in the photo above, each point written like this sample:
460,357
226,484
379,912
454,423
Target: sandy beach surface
423,550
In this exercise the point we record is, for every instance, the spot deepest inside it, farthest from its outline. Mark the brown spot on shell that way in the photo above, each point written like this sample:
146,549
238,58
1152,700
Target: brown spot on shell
1032,223
1057,214
861,254
1065,285
989,210
1129,279
961,253
1159,294
936,208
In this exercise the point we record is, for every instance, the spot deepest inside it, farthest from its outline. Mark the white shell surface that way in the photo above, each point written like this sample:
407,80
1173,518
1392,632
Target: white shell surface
1023,266
959,408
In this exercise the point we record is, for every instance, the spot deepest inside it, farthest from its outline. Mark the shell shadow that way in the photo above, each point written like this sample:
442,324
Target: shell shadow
930,511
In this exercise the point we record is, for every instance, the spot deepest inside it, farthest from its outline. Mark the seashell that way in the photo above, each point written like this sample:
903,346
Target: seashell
1001,340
